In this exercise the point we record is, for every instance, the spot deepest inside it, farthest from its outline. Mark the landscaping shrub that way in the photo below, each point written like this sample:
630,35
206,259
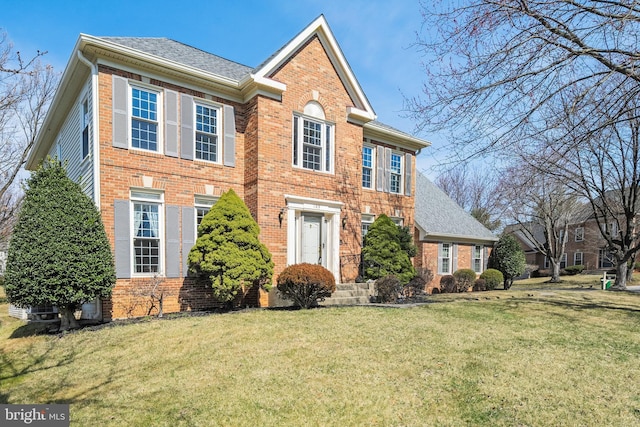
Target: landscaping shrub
415,287
306,284
492,278
464,279
228,251
59,253
448,284
388,288
508,257
574,269
386,251
480,285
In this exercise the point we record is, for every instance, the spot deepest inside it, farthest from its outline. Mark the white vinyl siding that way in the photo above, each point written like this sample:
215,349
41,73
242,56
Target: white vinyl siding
70,139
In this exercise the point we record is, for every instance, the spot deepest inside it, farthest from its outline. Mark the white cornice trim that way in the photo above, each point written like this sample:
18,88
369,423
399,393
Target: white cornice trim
375,131
320,27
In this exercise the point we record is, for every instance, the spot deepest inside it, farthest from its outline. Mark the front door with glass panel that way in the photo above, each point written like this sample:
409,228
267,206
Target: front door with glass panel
312,245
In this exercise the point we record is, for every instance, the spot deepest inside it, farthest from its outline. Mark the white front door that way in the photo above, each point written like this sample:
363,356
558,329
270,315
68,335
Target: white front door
311,247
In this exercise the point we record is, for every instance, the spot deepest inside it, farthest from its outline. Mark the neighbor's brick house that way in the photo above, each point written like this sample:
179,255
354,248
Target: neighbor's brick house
155,130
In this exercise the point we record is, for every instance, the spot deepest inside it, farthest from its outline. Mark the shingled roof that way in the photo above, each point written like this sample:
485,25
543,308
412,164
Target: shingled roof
439,217
184,54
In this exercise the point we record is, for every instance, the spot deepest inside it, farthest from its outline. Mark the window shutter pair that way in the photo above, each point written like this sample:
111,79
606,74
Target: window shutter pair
187,140
121,123
383,170
172,259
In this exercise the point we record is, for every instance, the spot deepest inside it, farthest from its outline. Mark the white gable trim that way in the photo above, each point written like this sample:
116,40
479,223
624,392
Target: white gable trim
363,110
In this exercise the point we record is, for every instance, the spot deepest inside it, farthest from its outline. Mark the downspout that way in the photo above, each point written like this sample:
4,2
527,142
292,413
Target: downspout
95,127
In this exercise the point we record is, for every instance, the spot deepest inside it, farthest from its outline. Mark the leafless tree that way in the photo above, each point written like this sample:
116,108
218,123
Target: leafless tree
541,209
552,82
474,189
26,88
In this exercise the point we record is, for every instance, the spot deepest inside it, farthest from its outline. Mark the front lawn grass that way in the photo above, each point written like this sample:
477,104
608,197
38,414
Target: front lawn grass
523,357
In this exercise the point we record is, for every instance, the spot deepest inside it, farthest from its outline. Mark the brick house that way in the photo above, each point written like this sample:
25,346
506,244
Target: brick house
584,243
448,237
155,130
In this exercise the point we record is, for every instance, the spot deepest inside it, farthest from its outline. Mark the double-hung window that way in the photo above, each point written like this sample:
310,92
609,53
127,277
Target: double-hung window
313,140
577,258
85,128
207,145
477,259
202,206
395,173
579,234
144,119
147,231
367,166
367,220
563,260
445,258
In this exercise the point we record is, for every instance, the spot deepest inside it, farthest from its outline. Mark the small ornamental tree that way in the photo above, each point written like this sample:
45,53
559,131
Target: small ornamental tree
59,253
507,257
385,252
228,251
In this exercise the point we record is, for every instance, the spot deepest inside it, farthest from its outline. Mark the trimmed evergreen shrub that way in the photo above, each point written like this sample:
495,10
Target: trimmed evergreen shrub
388,288
464,279
508,257
492,278
306,284
59,253
228,252
574,269
480,285
384,252
448,284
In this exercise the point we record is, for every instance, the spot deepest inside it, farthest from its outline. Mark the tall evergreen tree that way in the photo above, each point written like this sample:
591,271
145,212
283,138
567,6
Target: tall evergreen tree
59,253
386,251
228,251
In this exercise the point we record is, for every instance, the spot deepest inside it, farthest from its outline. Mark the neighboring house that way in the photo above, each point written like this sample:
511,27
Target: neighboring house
584,243
447,236
155,130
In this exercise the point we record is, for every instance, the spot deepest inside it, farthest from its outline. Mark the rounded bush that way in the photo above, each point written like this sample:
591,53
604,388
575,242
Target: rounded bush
479,285
574,269
448,284
492,278
388,288
464,278
306,284
415,287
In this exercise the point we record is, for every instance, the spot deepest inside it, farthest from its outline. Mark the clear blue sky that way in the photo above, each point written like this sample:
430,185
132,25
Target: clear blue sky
375,36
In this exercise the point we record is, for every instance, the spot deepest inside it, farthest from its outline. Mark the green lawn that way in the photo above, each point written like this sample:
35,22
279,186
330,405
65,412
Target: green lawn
536,355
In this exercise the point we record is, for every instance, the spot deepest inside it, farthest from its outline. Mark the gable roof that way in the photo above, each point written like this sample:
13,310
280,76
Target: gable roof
229,79
438,217
184,54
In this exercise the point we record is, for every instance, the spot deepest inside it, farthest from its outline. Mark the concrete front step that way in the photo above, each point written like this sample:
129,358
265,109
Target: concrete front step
350,294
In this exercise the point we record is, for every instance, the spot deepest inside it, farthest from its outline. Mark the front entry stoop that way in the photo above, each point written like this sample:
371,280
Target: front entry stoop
350,294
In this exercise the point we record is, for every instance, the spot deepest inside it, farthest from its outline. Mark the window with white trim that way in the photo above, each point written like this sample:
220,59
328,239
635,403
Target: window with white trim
207,133
578,258
605,259
579,234
145,107
444,255
85,128
367,166
395,173
477,258
202,206
366,222
313,139
563,260
147,210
